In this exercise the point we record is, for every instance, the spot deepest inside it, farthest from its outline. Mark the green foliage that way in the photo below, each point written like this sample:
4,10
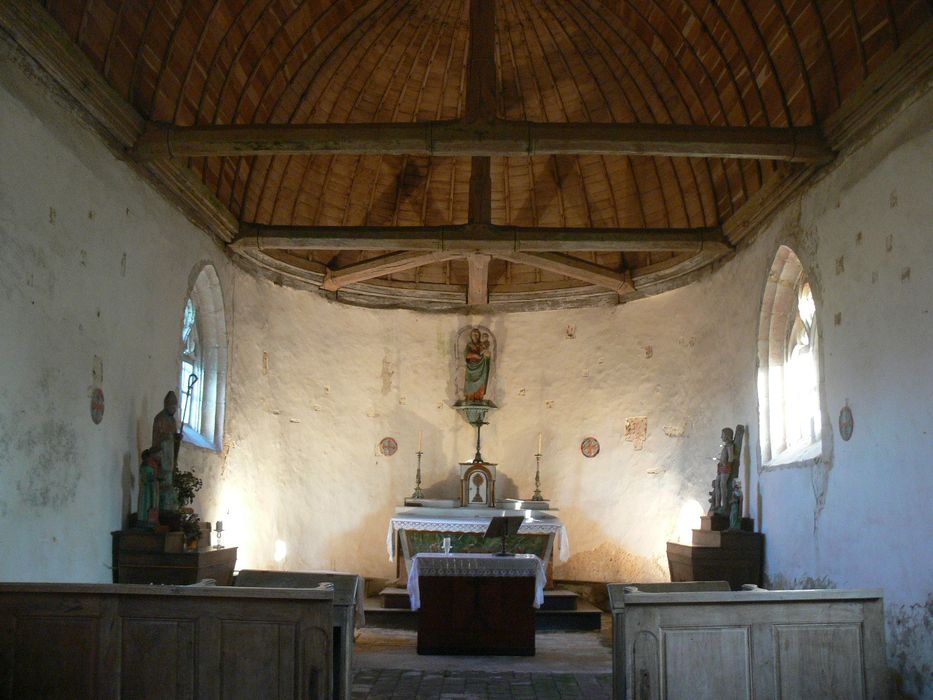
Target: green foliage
186,486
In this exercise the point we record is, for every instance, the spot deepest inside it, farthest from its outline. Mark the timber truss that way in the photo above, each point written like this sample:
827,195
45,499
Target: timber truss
159,151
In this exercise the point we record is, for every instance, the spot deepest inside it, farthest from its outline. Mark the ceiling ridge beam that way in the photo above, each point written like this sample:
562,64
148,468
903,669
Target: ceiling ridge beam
491,239
498,137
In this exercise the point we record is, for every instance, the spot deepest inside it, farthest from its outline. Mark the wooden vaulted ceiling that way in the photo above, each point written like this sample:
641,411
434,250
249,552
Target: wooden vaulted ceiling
393,218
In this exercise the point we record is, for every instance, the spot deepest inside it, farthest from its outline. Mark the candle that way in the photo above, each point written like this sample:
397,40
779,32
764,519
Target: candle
420,440
539,443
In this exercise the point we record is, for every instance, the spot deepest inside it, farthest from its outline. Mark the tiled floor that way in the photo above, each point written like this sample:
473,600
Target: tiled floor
566,665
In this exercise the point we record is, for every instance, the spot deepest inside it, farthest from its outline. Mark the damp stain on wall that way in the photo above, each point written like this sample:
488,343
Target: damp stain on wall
910,631
50,451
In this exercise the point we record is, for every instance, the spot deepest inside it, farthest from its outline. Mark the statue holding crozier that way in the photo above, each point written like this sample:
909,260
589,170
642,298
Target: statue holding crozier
166,440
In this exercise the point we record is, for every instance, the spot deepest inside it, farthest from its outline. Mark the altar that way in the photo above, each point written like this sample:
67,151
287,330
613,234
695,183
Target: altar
416,530
476,603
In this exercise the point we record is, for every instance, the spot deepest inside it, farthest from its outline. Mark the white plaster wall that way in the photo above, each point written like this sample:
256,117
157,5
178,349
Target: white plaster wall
92,263
304,468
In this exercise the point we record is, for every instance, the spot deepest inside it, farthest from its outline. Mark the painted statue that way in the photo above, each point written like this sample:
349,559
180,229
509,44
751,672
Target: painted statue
735,505
723,471
475,349
166,439
147,502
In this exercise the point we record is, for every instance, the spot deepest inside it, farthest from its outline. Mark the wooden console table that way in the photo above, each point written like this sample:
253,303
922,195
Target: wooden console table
476,603
138,557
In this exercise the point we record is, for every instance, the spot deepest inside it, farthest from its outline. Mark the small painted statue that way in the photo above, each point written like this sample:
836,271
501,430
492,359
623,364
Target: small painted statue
147,503
723,472
477,360
735,506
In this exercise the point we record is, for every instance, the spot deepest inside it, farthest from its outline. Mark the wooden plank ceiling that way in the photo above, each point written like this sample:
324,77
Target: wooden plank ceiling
485,148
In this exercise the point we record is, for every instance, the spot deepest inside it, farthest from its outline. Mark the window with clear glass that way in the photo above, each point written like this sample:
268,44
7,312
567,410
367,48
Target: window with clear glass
203,362
191,370
788,365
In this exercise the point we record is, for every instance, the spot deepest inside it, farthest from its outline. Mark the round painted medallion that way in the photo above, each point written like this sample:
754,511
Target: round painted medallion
589,447
388,446
97,405
846,423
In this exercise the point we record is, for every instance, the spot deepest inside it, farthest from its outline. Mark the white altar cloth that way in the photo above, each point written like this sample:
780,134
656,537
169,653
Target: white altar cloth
474,520
431,564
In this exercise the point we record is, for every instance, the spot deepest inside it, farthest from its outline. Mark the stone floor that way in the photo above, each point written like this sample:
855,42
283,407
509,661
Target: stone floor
397,684
565,665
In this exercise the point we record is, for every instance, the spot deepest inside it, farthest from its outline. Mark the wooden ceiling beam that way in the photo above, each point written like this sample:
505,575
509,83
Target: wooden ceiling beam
491,239
478,285
575,268
486,138
379,267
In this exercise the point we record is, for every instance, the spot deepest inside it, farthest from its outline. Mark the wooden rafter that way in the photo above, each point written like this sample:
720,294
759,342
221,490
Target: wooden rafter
575,268
487,138
379,267
493,239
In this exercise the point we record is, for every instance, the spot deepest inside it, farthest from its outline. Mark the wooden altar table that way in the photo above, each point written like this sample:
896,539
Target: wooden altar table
476,603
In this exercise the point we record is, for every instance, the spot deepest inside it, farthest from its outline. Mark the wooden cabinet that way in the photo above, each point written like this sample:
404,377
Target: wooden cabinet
139,557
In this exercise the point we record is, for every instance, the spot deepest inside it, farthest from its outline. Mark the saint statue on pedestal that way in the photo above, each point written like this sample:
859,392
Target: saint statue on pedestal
475,353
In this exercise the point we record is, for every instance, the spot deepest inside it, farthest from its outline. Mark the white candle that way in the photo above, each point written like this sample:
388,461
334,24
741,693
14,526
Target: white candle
539,443
420,440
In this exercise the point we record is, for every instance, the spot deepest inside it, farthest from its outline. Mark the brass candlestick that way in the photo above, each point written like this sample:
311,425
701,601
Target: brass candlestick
418,493
537,496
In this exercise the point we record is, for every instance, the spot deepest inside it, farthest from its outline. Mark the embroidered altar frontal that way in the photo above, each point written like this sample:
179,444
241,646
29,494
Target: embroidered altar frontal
421,530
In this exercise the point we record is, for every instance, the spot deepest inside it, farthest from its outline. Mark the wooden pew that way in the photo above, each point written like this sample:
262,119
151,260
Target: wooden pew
750,644
348,611
617,605
135,641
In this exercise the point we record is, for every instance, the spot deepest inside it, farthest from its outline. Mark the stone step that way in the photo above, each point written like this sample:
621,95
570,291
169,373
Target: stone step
585,617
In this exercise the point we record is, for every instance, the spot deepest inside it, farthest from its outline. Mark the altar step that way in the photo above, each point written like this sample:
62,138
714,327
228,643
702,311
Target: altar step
562,611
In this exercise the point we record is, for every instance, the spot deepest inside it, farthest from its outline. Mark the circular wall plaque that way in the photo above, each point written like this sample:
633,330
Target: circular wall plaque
97,405
388,446
589,447
846,423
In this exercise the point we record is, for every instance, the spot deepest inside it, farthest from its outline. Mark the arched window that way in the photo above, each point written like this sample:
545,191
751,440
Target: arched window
788,365
203,361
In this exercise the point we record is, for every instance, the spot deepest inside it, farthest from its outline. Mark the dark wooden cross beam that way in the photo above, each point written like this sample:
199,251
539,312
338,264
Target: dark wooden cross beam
493,138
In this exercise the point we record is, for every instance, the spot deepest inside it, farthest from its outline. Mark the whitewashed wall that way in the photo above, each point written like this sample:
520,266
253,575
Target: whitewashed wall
93,264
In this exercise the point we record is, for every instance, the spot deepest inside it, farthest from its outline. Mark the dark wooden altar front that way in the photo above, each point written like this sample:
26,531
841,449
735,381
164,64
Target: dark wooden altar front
476,603
477,615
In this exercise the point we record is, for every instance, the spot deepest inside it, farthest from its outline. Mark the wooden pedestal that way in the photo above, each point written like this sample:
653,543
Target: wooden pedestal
718,554
138,557
477,615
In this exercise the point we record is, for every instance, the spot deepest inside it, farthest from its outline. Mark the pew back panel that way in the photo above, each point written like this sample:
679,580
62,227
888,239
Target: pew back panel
752,644
111,641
